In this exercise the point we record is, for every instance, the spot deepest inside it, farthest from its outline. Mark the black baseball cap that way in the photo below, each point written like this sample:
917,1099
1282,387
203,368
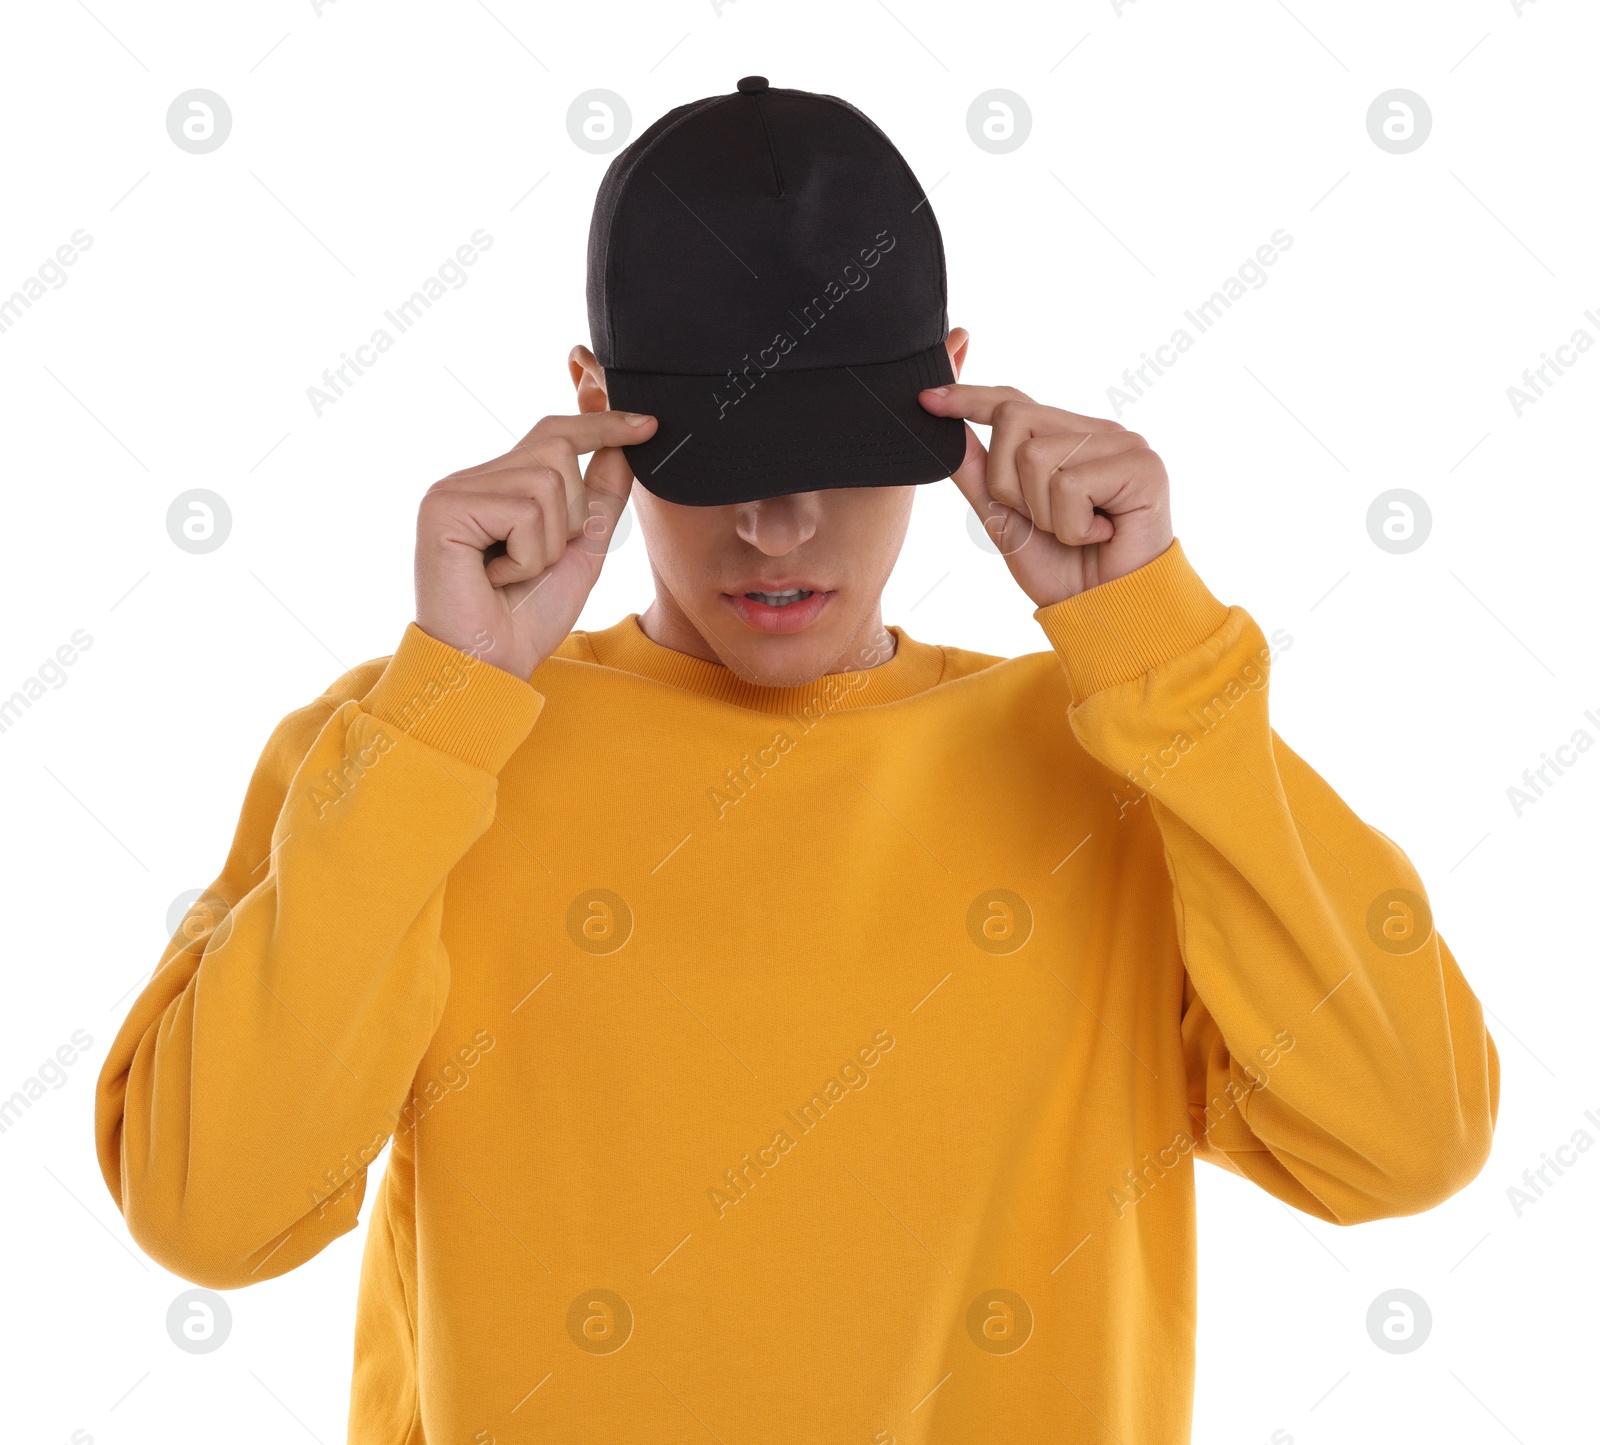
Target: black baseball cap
766,278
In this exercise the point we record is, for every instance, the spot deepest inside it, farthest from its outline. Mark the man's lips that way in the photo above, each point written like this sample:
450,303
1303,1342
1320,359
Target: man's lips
791,617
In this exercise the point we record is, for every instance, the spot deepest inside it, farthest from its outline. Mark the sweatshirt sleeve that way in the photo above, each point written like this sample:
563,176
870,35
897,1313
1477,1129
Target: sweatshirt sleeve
265,1063
1335,1054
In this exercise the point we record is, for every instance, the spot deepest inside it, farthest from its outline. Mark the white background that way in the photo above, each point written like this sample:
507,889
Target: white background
370,141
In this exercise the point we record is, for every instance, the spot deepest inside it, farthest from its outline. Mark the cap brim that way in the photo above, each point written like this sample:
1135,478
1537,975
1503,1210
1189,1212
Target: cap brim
781,430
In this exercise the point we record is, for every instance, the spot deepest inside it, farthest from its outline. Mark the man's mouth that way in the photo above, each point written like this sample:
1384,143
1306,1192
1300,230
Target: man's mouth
788,609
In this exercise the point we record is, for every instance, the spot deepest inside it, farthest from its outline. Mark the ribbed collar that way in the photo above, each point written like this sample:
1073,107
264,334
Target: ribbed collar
915,667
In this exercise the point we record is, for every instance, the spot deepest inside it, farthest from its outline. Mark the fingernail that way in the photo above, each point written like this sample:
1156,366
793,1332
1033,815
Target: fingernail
636,418
940,390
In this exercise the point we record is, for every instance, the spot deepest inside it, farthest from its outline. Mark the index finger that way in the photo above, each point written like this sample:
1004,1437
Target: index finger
586,432
590,430
979,404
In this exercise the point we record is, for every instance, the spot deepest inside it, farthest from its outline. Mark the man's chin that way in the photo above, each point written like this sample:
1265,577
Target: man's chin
784,659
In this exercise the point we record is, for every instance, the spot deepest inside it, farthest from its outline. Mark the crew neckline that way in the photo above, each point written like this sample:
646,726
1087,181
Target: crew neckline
915,667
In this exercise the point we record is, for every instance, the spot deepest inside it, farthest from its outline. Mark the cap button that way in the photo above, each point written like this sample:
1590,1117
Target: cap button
752,83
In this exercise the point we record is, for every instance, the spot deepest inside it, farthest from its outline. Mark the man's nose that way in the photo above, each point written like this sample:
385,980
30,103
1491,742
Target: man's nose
777,525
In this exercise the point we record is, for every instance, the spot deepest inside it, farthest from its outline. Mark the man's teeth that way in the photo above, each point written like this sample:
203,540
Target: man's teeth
779,599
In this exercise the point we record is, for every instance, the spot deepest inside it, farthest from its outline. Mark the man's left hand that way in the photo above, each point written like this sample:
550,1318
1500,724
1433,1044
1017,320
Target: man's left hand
1071,501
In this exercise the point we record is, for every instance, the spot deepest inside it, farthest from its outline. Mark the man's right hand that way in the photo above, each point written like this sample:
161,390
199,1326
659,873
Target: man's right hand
553,523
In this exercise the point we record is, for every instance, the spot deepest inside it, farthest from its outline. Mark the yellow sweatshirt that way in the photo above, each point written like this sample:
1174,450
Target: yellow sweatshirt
823,1064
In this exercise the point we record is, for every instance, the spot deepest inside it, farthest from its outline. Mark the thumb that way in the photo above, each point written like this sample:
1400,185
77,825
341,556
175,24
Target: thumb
607,484
1008,528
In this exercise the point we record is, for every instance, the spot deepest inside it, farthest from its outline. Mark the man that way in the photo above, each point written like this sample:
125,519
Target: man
786,1029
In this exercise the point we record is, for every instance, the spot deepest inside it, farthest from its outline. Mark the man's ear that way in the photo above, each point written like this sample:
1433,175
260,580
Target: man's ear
588,379
956,344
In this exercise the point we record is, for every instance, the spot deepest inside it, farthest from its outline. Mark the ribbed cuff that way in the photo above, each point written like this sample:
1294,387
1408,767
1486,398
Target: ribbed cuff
454,701
1118,631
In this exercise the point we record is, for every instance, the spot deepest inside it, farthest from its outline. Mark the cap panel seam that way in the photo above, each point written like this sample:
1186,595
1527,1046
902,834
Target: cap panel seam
772,150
